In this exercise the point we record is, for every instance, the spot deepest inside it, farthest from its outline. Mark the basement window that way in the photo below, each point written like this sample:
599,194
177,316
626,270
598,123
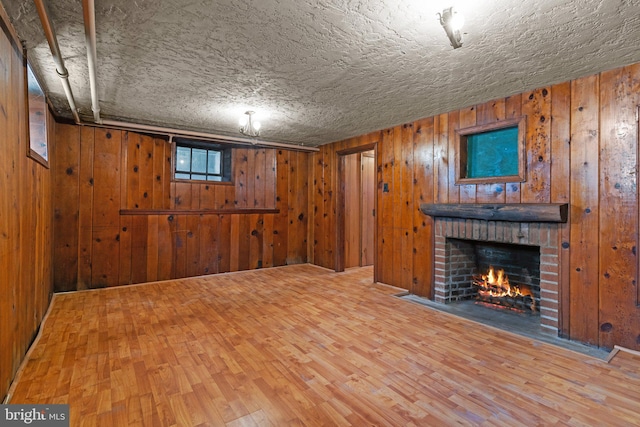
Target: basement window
491,153
201,161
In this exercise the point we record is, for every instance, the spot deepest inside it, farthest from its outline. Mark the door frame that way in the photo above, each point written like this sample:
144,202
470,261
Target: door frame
341,203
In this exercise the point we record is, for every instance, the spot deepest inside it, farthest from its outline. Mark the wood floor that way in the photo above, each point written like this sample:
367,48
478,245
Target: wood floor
301,345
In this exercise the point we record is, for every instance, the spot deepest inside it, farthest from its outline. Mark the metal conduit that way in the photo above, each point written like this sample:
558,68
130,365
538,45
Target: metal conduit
52,39
89,11
202,135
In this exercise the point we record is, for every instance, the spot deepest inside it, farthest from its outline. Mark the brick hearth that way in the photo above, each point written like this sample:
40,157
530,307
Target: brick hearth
544,235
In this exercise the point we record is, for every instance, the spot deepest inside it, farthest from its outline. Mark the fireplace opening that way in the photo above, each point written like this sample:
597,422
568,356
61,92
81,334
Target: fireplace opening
501,276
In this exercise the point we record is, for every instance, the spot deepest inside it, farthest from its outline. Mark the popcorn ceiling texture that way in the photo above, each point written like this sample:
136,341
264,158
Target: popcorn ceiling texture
324,70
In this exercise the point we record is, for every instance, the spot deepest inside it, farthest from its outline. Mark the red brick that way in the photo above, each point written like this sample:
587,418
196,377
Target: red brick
552,305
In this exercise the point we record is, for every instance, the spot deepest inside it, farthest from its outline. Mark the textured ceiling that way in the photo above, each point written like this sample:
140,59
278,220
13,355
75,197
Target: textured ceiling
317,71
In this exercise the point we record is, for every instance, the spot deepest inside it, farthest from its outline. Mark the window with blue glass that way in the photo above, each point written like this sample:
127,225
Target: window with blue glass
491,153
197,161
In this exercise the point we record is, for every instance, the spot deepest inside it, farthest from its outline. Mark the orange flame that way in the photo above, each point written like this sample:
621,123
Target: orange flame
499,287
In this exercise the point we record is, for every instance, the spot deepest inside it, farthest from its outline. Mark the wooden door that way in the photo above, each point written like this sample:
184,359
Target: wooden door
368,188
352,210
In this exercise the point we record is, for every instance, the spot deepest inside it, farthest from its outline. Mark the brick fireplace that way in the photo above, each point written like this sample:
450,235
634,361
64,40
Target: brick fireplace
529,250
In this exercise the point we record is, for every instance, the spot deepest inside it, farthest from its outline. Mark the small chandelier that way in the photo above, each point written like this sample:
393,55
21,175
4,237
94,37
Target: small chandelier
452,23
249,127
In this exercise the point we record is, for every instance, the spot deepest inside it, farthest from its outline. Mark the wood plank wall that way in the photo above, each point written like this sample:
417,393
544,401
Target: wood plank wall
581,145
121,219
25,217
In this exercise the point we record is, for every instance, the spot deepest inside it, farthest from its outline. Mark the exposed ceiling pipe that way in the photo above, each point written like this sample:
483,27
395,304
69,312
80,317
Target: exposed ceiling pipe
202,135
89,10
50,34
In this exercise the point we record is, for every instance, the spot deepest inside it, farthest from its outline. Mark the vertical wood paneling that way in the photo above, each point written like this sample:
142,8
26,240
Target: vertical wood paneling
406,165
183,198
267,242
243,241
209,243
453,190
106,172
395,189
160,190
131,142
139,248
146,180
229,197
126,236
152,248
85,211
105,269
536,105
385,208
619,315
123,249
256,240
298,193
251,176
165,247
26,216
328,223
234,243
270,174
224,236
423,192
179,231
560,189
66,207
207,196
281,221
193,236
441,158
241,158
318,207
584,208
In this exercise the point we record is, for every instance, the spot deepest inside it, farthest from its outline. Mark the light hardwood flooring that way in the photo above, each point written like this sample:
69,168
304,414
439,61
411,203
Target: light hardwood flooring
301,345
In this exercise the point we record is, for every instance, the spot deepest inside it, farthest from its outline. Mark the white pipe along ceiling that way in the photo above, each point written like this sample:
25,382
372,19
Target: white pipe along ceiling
88,7
313,71
61,70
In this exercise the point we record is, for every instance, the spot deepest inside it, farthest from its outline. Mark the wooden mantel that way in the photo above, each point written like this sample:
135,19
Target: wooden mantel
513,212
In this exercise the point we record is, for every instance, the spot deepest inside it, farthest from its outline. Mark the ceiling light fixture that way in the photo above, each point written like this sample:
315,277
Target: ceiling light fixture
452,23
249,127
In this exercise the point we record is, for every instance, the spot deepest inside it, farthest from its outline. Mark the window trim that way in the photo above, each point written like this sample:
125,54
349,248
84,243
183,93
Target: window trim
460,160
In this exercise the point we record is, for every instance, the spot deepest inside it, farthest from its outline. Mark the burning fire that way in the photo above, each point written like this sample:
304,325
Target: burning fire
490,285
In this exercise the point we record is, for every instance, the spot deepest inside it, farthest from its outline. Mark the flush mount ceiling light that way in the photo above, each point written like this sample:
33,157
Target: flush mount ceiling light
249,127
452,23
